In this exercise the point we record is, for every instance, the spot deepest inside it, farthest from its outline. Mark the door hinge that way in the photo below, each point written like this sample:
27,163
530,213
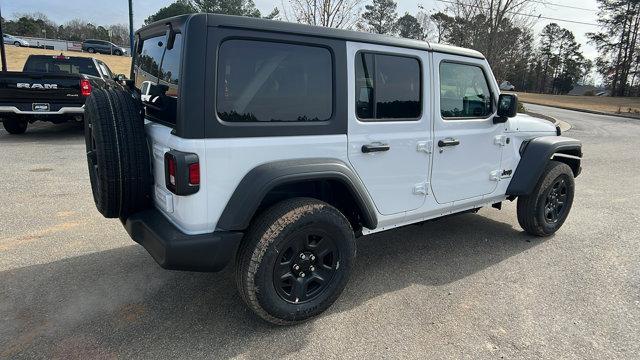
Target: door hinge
425,146
501,140
421,189
495,175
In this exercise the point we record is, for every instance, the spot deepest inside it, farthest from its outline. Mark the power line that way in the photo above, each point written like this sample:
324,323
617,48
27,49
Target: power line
564,6
523,14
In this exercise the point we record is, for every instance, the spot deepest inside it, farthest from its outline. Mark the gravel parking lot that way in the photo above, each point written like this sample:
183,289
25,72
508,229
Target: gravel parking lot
73,285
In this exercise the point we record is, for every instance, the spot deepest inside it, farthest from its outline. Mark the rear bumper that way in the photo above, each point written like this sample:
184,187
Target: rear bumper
75,110
175,250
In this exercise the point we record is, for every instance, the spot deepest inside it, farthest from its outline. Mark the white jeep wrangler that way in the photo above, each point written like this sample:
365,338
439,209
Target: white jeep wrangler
276,145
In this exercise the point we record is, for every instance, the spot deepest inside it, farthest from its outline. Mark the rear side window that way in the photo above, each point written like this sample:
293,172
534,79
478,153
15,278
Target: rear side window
260,81
61,65
464,91
388,87
157,71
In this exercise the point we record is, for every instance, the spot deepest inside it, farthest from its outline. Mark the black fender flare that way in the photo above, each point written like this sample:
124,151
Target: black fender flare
260,180
535,154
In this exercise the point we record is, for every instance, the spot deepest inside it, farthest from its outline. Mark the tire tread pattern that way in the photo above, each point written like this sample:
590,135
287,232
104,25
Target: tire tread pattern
259,237
529,207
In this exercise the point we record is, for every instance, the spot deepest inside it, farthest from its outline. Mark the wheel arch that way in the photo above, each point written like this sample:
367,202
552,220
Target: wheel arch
329,180
536,153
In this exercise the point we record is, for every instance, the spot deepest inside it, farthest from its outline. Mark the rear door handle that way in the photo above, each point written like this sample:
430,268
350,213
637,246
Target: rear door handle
375,147
448,142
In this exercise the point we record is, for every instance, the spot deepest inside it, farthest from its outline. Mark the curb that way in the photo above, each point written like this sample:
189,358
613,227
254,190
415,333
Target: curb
623,115
564,126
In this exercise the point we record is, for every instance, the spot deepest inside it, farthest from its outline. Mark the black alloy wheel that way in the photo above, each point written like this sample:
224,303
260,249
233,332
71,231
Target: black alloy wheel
554,206
307,266
543,212
295,260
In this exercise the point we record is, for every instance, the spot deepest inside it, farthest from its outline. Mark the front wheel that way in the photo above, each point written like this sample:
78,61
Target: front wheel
91,50
17,43
295,260
15,126
544,211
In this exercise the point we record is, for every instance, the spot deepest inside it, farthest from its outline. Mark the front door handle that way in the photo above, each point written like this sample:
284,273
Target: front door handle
448,142
375,147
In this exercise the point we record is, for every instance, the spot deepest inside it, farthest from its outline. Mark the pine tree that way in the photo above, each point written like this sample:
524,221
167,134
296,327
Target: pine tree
381,16
617,44
409,27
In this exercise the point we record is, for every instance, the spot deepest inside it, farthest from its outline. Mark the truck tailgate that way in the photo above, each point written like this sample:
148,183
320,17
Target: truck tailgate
35,87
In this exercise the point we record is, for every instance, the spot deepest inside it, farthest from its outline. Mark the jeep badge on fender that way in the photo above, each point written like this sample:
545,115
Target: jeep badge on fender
282,149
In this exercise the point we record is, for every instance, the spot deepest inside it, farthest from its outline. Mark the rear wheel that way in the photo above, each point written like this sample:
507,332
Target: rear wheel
15,126
295,260
90,50
544,211
17,43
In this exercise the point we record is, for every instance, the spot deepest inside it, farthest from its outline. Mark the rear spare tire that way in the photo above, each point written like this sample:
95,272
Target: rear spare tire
117,153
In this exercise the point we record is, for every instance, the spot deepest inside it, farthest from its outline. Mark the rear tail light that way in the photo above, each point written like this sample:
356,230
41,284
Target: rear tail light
194,174
182,172
85,87
171,170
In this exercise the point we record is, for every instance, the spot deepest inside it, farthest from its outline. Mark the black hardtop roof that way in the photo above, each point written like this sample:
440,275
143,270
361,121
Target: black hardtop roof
242,22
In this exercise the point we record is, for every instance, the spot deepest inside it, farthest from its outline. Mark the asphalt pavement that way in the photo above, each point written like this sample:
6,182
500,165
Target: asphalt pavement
73,285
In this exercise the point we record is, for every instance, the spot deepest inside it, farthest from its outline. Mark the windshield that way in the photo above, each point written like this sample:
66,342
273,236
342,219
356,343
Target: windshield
55,65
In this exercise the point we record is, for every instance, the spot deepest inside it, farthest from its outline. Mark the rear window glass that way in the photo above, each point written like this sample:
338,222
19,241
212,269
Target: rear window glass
157,73
388,87
260,81
61,66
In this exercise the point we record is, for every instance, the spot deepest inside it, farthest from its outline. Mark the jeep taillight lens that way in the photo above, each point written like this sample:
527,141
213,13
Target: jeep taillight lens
194,174
171,169
182,172
85,87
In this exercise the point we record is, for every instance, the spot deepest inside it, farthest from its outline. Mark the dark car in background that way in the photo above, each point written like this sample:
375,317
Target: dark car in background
50,88
102,47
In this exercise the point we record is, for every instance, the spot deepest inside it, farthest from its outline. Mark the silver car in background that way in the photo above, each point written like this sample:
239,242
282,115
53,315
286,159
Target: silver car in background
12,40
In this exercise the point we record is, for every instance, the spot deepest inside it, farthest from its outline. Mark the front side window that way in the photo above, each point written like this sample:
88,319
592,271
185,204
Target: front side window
158,70
464,91
387,87
261,81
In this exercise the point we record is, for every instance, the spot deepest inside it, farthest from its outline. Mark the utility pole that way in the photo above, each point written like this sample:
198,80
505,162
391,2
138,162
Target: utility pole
2,54
131,26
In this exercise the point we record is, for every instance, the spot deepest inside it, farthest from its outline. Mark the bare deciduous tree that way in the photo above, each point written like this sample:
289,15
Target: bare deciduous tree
341,14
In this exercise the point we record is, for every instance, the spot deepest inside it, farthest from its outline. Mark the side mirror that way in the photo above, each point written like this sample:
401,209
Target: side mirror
508,105
507,108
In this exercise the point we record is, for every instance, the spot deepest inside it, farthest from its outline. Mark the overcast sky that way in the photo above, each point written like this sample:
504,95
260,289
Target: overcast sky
116,11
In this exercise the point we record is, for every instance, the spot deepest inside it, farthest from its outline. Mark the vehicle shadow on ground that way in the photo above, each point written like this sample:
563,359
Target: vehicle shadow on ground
46,133
120,303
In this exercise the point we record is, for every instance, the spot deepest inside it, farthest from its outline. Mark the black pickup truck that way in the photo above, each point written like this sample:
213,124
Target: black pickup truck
50,88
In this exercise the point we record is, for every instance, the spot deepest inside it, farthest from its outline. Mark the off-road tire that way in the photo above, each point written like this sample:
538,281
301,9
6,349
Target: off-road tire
531,208
117,153
260,251
15,126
